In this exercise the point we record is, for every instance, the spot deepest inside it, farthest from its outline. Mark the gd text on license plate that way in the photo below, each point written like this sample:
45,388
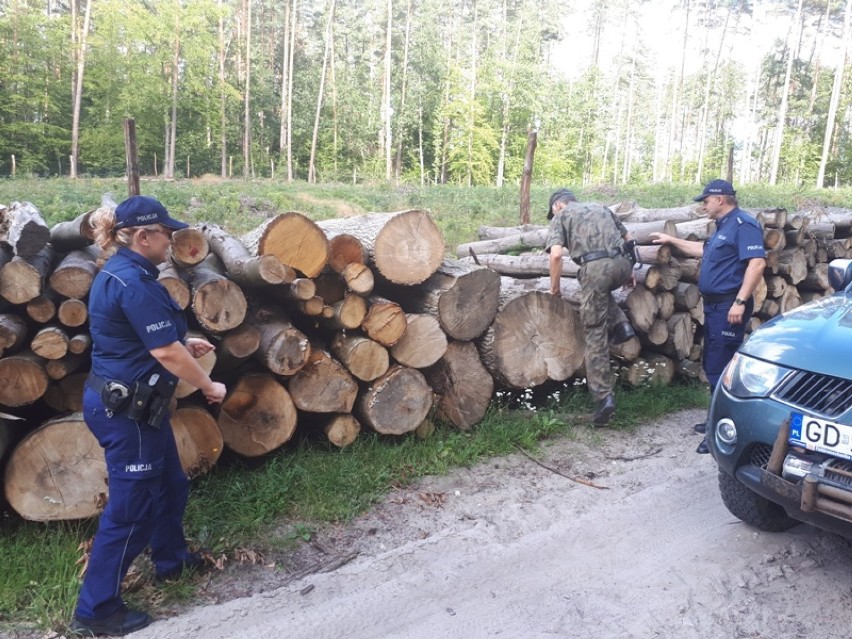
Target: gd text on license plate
821,436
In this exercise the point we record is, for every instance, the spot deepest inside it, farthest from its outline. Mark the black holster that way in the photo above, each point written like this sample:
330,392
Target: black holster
150,401
631,251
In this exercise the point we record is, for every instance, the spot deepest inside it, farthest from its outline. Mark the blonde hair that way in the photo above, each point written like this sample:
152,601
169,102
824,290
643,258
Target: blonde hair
106,236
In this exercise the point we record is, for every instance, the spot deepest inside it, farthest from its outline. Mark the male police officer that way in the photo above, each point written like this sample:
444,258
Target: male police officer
732,266
595,239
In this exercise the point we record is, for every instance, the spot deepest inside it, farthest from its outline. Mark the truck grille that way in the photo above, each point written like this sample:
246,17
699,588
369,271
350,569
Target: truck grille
760,455
821,395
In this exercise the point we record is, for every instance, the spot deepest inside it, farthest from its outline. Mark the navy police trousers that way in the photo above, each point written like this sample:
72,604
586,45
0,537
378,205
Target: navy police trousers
148,491
721,338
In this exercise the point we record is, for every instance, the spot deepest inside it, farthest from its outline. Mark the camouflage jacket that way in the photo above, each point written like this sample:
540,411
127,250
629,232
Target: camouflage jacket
583,227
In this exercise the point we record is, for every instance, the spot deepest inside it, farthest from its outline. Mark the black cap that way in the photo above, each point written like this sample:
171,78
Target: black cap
141,210
556,196
716,187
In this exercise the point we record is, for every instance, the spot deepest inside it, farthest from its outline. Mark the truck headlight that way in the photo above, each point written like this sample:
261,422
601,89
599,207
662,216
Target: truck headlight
747,377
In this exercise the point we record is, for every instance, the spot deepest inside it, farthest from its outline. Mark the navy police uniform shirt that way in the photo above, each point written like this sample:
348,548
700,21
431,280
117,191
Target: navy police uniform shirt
130,314
738,239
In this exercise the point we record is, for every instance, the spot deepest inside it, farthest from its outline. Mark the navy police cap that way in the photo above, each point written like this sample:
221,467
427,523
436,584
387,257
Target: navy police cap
716,187
141,210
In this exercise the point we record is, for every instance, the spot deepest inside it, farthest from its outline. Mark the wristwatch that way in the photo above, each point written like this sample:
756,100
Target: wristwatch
740,302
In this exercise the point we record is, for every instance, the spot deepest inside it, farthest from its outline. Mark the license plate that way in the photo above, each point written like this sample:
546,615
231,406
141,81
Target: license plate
821,436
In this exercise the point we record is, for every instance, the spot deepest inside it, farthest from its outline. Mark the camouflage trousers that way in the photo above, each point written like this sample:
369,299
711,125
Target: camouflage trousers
599,313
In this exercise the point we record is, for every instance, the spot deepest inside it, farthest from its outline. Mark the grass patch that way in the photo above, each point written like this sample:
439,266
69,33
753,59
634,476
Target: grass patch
308,484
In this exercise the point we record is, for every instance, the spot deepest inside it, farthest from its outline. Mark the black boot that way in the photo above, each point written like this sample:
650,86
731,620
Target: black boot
622,332
121,622
700,428
703,448
605,410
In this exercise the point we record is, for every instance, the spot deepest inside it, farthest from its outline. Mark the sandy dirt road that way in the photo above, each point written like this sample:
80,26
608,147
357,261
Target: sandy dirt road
512,549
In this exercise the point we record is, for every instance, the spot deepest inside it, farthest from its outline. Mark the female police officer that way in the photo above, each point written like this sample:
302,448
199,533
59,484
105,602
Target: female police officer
139,352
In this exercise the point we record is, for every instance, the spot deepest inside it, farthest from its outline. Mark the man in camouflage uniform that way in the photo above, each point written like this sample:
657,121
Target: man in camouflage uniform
595,239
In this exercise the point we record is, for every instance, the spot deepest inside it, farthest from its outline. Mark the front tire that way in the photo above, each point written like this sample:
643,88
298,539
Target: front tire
753,509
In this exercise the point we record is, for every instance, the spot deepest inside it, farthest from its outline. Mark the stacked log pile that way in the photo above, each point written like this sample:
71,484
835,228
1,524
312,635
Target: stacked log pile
665,306
333,326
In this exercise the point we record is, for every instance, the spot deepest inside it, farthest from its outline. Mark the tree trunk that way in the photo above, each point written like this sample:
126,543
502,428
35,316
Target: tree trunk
384,322
74,234
527,265
406,247
463,385
366,359
835,96
51,342
323,385
257,416
341,430
240,265
785,92
463,297
74,275
22,379
22,279
198,438
175,284
526,177
13,332
423,342
294,239
23,228
57,472
312,169
217,303
72,313
397,402
534,337
283,348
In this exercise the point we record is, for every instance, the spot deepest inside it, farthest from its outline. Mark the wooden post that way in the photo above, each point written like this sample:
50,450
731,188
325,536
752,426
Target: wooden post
730,175
130,155
13,165
532,140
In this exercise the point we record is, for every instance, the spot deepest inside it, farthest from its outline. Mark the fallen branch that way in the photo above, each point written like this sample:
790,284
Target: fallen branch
579,480
622,458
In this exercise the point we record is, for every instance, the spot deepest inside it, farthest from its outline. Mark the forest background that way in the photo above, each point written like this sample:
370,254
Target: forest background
430,91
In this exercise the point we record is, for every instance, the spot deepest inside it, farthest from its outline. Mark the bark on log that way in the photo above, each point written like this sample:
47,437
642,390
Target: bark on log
497,232
695,230
13,332
681,334
534,337
241,342
283,348
820,230
241,266
364,358
463,298
75,273
22,379
58,369
669,276
793,265
189,247
406,247
257,416
774,218
689,269
198,438
74,234
657,254
323,385
294,239
655,369
397,402
57,472
531,240
342,430
528,265
641,231
315,306
423,342
177,287
24,229
463,385
787,302
217,303
774,239
686,296
794,237
384,321
22,279
666,304
679,214
816,279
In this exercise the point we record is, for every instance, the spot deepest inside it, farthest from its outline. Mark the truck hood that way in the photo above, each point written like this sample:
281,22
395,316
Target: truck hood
815,337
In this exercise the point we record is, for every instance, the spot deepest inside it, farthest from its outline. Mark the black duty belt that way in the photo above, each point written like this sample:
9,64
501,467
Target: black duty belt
591,256
719,298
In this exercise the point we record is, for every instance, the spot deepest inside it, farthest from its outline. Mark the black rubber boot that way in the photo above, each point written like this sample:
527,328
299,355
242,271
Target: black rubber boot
700,428
621,333
703,448
604,412
120,623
